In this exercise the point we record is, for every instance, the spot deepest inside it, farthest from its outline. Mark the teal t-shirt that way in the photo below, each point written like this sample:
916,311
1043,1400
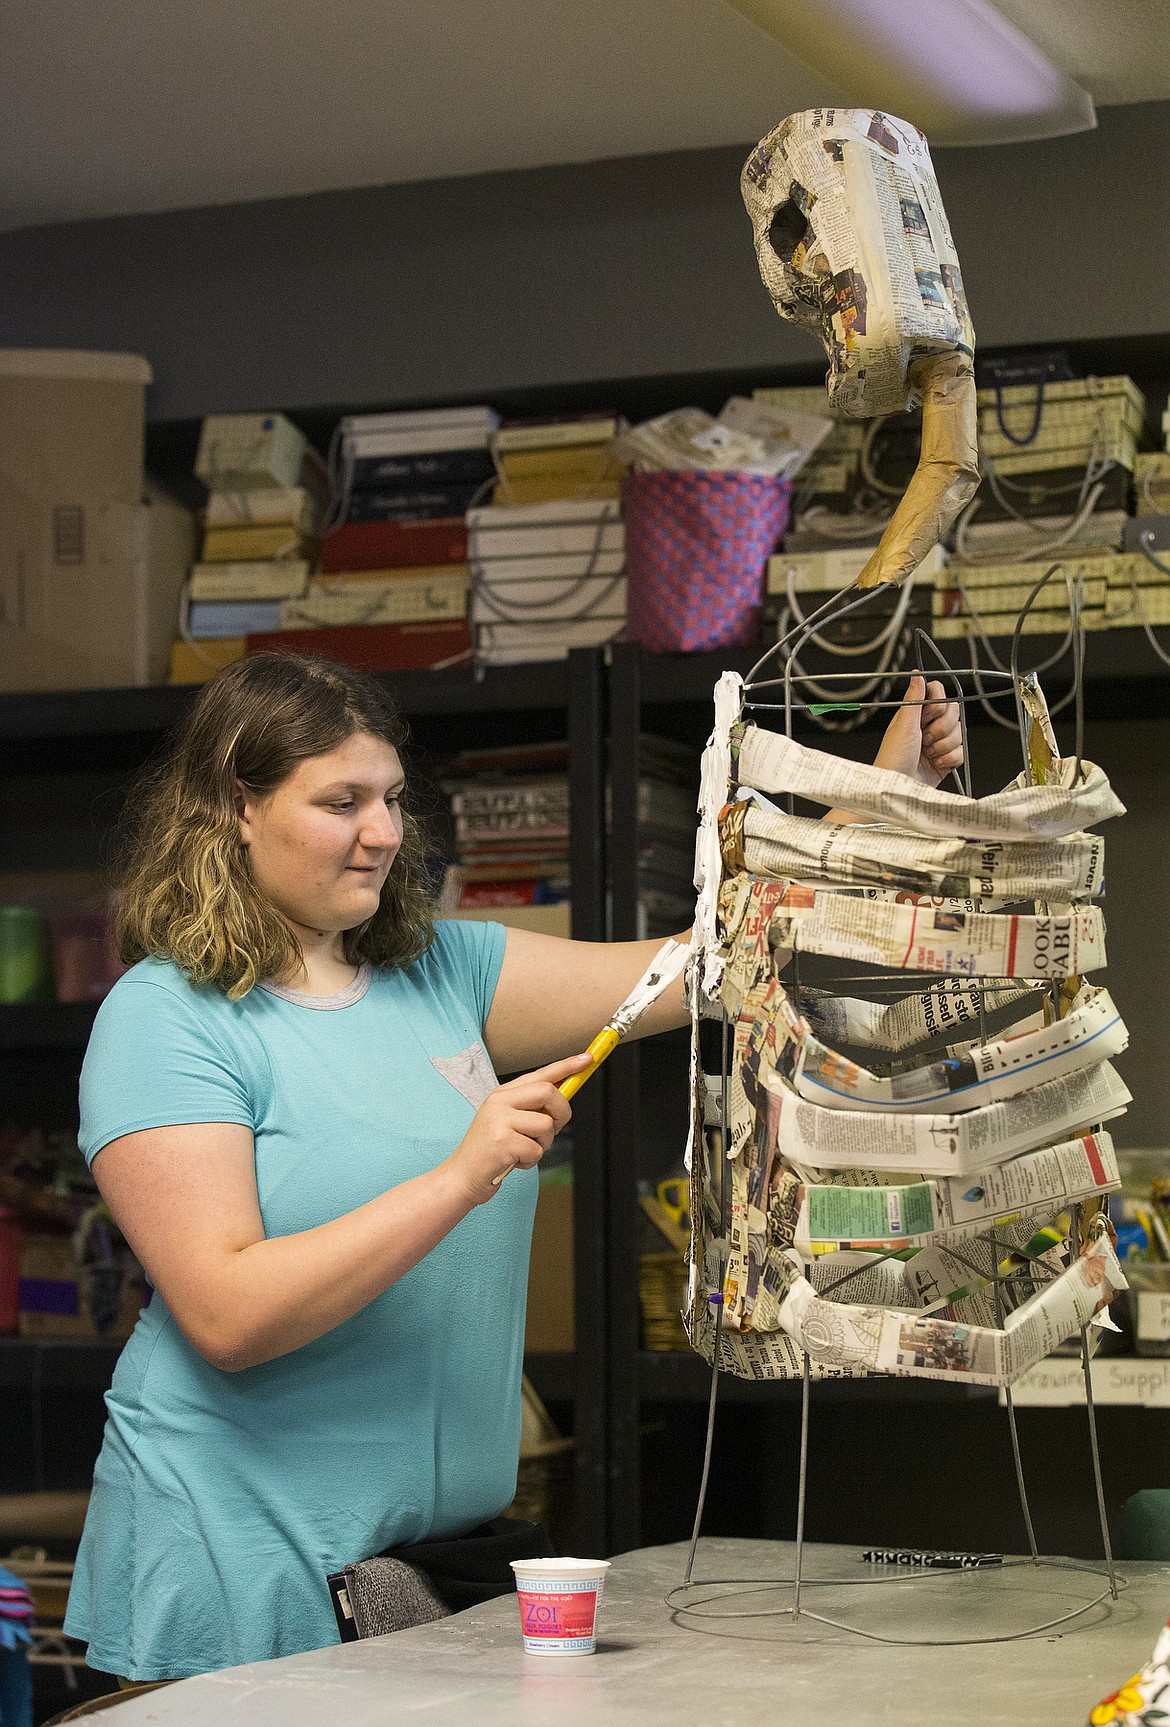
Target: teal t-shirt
222,1500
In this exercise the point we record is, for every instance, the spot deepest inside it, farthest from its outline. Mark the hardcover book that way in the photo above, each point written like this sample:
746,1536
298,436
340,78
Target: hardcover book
394,545
241,543
281,579
373,647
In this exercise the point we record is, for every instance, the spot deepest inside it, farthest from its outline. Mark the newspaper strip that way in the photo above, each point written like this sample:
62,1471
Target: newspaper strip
919,938
770,762
715,773
752,954
757,1356
810,1135
1036,1185
967,1076
911,1344
767,842
1093,1032
900,1026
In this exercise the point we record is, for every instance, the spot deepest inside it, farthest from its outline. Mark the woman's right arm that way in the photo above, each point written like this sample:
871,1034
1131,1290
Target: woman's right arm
185,1199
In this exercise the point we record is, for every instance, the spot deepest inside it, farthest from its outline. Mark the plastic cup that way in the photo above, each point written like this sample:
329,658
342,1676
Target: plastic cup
559,1599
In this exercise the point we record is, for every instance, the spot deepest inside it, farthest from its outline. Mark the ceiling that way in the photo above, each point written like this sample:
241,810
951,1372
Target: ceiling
133,105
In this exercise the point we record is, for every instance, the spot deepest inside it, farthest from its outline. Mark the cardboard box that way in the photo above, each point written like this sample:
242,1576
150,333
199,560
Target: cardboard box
104,618
72,426
89,577
59,1298
550,1325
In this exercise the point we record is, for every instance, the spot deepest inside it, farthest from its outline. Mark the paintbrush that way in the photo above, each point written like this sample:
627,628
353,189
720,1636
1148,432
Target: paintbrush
658,976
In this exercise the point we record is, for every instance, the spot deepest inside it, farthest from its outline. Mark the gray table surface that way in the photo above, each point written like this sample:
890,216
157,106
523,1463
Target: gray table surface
659,1670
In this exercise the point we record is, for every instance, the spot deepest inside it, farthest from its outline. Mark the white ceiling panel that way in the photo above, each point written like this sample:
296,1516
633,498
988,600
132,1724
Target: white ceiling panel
133,105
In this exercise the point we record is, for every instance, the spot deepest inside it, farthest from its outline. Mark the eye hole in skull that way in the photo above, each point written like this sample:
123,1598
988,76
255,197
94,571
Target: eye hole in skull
853,244
787,231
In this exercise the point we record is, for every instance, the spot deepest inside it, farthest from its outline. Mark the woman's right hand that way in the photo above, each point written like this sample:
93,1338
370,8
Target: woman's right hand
513,1128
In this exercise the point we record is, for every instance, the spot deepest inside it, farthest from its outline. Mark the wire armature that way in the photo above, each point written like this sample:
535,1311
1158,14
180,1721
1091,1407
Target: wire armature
1009,678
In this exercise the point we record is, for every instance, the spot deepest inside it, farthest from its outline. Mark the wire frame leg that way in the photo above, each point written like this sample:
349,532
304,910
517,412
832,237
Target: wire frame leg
724,1227
1021,1484
709,1446
802,1488
1090,1411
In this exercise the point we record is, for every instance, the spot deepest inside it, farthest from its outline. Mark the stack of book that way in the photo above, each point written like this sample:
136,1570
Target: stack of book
831,473
1151,484
510,811
546,578
667,802
1147,539
268,490
813,577
543,461
973,599
1044,457
393,587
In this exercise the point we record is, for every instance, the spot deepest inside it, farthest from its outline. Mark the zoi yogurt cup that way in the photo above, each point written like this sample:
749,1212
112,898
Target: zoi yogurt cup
559,1599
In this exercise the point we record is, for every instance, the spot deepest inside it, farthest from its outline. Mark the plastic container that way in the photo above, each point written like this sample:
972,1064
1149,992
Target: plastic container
559,1600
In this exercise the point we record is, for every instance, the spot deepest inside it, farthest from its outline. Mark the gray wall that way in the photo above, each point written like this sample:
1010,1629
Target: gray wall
628,268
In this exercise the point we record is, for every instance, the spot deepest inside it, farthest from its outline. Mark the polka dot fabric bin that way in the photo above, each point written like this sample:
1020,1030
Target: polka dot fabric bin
696,548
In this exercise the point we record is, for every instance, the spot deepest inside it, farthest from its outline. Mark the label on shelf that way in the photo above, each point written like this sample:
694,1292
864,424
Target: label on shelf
1153,1315
1116,1379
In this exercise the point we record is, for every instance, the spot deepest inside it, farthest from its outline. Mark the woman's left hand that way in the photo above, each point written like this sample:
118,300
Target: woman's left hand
925,738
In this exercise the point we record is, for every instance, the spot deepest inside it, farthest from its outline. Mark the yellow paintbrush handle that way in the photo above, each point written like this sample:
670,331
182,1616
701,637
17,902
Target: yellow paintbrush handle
603,1045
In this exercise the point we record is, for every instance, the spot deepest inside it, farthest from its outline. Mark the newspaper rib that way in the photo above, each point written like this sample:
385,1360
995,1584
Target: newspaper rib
767,842
814,1137
769,762
714,775
901,1026
750,912
966,1076
1035,1185
989,1073
886,1340
920,938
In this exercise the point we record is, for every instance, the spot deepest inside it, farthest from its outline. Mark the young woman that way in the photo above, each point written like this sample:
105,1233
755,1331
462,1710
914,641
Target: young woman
291,1108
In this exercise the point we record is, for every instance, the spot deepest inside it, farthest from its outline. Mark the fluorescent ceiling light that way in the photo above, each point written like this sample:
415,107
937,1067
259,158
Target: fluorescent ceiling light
955,68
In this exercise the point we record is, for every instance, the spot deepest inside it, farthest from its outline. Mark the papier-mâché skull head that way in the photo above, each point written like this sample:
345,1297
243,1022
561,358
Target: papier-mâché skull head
853,244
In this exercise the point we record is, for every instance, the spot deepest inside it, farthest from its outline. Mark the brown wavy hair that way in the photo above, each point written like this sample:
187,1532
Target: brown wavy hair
188,894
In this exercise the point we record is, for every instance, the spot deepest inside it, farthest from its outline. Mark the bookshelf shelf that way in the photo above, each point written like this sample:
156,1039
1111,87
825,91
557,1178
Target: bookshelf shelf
87,714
